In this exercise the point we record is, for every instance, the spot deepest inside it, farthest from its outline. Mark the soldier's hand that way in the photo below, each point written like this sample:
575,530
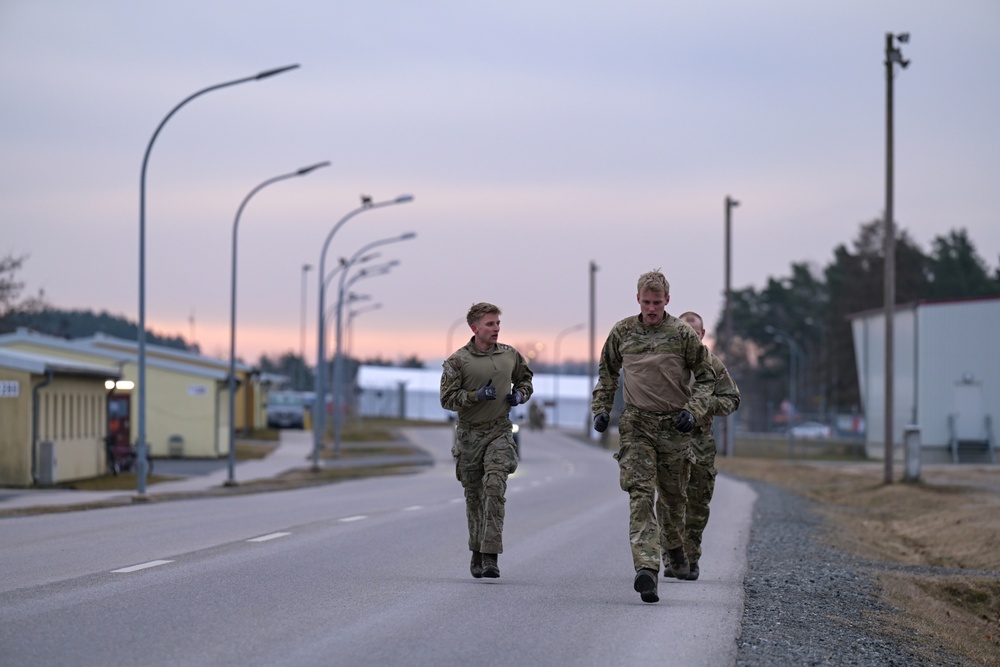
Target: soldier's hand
601,422
487,392
684,422
514,398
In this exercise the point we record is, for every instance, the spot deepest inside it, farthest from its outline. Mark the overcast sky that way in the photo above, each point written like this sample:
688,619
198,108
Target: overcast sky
536,137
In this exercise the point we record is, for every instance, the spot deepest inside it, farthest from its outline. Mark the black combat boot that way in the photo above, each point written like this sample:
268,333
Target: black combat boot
476,566
694,571
645,585
679,563
491,569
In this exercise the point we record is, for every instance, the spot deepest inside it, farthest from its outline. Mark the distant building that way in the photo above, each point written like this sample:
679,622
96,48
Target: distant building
414,393
946,378
53,418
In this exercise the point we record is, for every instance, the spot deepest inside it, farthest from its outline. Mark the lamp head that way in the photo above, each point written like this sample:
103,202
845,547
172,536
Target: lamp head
272,72
402,199
407,236
305,170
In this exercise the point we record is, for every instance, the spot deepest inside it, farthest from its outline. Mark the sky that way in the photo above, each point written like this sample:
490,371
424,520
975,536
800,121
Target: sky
537,138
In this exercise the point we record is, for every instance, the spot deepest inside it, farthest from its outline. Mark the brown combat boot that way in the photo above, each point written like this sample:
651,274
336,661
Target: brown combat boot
491,570
476,566
679,567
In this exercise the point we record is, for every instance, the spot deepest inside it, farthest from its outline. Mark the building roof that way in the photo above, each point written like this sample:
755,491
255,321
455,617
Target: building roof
923,303
115,356
41,364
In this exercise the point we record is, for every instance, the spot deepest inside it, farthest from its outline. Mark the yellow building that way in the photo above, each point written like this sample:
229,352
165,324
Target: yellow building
248,408
53,418
187,408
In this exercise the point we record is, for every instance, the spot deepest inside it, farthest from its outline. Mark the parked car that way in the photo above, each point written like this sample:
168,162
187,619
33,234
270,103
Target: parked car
286,409
813,430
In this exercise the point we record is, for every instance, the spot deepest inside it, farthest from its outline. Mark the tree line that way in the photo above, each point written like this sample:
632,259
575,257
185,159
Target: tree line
812,306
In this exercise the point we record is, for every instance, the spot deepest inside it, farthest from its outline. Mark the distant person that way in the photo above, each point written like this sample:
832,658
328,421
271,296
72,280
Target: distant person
658,354
484,449
725,400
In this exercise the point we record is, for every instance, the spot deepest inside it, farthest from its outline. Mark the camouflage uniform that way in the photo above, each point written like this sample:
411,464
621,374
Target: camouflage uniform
725,399
653,456
484,449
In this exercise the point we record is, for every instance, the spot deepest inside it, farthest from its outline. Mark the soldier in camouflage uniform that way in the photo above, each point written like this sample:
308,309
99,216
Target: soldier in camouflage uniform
725,400
657,353
484,448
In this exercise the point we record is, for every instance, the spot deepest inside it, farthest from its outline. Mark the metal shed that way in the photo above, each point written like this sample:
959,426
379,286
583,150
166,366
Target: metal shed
946,380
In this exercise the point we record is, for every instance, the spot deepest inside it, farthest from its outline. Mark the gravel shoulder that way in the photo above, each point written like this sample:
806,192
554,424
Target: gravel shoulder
843,570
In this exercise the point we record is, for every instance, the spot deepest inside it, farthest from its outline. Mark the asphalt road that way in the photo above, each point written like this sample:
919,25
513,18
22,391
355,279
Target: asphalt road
369,572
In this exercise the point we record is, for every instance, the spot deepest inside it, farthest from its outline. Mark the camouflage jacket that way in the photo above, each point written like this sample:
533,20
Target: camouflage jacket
725,397
468,369
665,368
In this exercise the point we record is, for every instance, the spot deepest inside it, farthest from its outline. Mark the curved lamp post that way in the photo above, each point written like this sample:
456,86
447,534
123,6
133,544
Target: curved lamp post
141,445
319,406
231,481
350,323
337,361
555,355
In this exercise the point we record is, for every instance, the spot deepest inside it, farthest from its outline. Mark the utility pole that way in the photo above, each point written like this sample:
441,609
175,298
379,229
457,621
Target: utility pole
893,56
592,362
728,440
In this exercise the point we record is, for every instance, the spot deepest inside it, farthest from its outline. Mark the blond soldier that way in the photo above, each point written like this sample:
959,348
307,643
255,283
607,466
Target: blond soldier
725,400
484,448
657,353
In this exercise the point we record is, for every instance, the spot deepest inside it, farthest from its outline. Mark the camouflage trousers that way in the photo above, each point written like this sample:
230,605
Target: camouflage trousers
484,456
653,460
701,486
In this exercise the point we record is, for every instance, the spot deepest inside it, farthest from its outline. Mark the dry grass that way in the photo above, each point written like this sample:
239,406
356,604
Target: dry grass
946,528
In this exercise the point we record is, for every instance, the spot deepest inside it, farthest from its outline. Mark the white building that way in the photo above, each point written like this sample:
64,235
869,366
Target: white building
946,377
414,393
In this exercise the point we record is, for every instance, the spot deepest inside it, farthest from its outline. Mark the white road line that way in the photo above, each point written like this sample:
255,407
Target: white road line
143,566
413,508
265,538
360,517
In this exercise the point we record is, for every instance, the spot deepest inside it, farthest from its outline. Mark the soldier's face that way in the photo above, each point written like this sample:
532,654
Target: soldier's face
487,329
696,324
652,304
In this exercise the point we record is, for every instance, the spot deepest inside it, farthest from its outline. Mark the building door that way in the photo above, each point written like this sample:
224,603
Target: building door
968,411
119,423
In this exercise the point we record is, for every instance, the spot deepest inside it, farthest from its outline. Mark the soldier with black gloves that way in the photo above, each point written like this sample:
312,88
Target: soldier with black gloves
473,379
658,355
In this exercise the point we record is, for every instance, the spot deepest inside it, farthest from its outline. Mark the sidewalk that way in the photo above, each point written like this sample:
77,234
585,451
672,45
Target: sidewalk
293,452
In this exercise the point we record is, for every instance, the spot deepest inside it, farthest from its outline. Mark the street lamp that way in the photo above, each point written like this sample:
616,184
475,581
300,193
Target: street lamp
337,361
793,350
729,437
555,357
350,323
302,330
231,481
320,403
141,444
451,332
893,56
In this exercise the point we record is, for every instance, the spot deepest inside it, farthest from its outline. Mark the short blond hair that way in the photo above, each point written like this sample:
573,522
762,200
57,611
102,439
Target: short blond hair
478,310
653,281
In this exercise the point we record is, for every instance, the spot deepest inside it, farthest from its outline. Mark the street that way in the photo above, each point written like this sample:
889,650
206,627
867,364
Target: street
369,572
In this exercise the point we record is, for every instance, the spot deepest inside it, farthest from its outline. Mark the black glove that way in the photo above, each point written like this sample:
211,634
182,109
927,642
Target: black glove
514,398
684,422
601,422
487,392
